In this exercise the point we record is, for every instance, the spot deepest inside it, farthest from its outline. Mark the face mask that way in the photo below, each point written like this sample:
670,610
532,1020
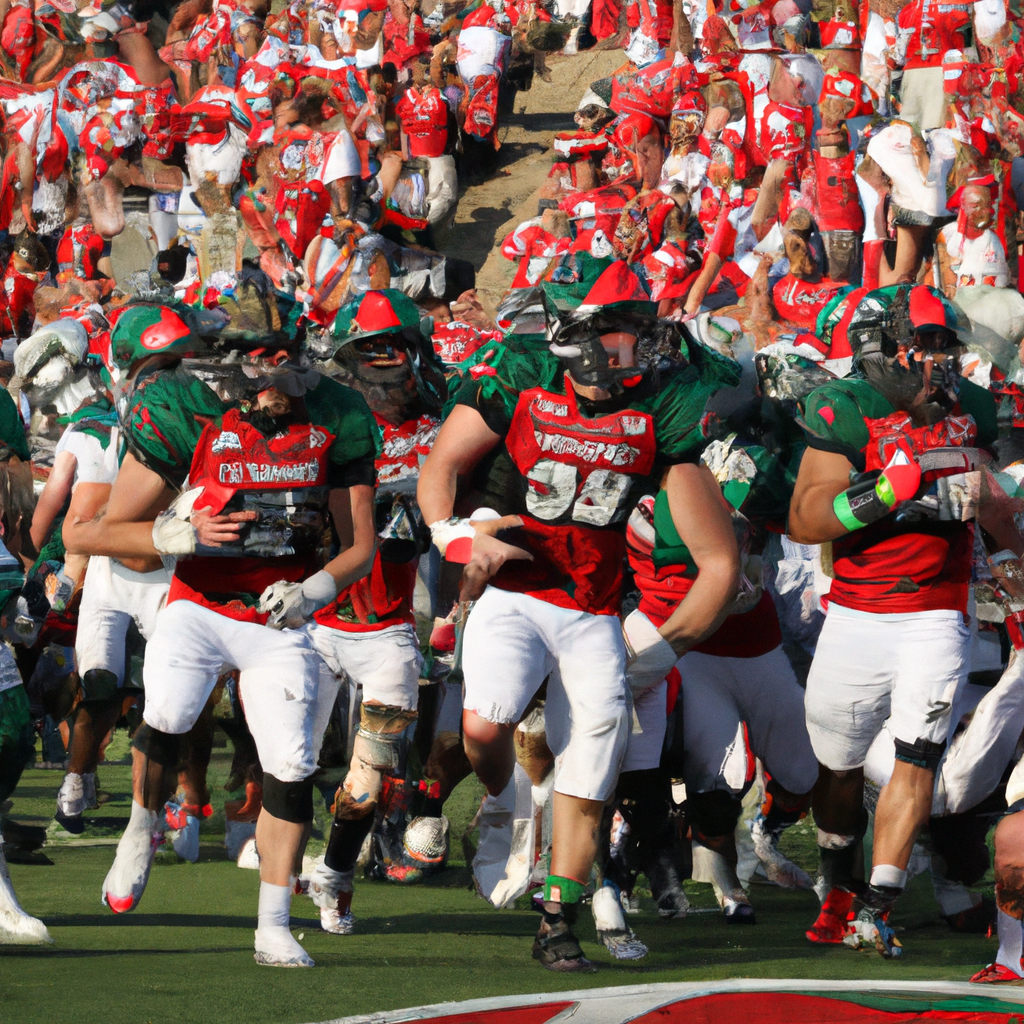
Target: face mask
898,384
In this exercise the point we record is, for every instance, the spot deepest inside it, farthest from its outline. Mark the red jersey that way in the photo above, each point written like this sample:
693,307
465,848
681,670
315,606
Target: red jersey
80,250
384,598
892,567
664,572
577,475
17,301
423,114
276,487
926,29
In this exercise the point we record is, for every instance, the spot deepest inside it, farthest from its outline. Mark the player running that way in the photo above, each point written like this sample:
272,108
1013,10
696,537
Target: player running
576,452
248,535
894,650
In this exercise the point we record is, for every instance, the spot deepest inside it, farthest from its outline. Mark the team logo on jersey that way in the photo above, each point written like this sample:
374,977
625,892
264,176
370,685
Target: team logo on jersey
226,441
317,438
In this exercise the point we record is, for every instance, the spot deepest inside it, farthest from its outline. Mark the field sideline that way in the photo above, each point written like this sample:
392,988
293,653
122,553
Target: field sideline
185,957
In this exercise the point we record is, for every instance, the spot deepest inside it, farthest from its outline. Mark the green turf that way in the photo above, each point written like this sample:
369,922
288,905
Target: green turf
186,954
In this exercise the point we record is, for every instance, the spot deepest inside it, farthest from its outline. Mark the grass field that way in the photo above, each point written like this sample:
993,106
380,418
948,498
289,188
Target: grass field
186,954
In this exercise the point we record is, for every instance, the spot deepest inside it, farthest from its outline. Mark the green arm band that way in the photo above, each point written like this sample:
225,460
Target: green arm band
864,503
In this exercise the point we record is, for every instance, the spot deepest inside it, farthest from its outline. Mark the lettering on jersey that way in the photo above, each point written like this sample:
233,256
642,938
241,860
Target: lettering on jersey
545,405
588,451
231,473
226,441
269,473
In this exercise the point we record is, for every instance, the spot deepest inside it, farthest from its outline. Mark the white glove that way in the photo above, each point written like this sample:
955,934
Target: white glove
173,533
289,605
650,656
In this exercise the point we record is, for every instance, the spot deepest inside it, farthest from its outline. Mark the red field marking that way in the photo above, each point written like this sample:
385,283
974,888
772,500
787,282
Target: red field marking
794,1008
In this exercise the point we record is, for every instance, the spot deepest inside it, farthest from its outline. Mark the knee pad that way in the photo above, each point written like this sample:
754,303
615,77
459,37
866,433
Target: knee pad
715,813
160,747
922,753
289,801
100,689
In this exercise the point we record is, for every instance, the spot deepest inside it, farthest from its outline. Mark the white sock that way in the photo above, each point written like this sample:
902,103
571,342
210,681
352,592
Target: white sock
888,875
1011,941
141,819
275,905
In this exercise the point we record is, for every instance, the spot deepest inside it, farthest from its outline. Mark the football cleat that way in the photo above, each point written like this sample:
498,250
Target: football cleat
126,880
830,927
979,919
337,922
16,927
996,974
871,930
183,831
277,947
737,909
331,891
618,938
557,948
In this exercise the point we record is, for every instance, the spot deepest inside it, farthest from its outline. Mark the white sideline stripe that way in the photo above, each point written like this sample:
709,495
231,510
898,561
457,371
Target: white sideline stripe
617,1004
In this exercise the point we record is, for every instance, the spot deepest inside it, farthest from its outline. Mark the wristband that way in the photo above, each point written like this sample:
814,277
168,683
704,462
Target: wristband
453,538
864,503
872,499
